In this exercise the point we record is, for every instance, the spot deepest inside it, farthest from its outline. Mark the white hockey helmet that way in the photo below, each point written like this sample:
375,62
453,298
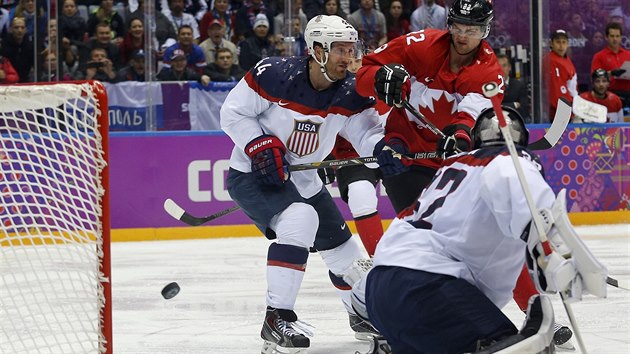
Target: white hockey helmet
325,30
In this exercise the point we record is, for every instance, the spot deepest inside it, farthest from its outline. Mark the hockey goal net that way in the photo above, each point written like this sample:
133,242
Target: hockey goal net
55,295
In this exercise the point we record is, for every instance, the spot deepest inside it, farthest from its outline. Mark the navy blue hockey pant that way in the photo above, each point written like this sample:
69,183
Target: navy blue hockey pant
421,312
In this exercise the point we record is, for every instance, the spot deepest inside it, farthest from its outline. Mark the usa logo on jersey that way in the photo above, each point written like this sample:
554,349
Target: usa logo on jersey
304,139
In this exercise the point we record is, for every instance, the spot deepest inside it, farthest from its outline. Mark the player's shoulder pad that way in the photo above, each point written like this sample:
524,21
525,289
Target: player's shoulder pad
348,98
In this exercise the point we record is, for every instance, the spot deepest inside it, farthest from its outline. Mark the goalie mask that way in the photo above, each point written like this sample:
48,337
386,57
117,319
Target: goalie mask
324,31
471,13
486,131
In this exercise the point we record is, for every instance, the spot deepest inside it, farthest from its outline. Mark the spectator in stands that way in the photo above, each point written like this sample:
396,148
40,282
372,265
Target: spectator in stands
515,91
178,69
134,39
299,42
99,66
135,70
18,48
103,39
370,23
194,54
72,26
179,18
196,8
164,31
330,8
70,64
27,10
223,69
8,75
5,22
219,12
248,14
611,59
428,15
216,40
296,12
107,13
257,47
49,68
559,71
397,25
599,94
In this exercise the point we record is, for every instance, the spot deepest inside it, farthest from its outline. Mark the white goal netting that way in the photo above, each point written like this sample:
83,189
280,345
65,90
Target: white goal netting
54,240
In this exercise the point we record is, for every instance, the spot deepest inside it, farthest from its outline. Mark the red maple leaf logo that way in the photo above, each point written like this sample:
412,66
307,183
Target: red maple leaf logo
442,111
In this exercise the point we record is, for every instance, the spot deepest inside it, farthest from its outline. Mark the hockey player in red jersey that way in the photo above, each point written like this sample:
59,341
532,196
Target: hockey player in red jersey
440,72
560,71
599,94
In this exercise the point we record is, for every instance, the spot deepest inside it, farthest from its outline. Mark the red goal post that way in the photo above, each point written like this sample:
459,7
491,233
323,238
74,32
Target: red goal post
55,272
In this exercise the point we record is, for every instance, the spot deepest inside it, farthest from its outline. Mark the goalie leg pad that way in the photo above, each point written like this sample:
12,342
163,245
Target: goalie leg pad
535,336
592,273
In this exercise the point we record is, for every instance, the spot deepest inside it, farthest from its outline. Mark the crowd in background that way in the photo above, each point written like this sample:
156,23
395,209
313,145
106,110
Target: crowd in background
219,40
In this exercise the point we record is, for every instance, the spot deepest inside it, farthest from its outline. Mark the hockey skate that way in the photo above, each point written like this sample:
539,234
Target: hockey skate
378,345
363,330
282,334
562,337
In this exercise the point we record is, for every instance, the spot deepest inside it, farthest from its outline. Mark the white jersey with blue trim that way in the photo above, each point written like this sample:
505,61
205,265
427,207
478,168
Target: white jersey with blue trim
276,97
469,221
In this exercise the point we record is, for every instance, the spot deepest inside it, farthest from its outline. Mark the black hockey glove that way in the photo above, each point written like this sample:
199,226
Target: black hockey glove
327,175
456,139
392,84
386,151
617,72
268,163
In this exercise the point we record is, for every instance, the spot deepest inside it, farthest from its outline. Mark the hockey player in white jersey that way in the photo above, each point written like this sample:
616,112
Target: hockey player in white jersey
289,111
442,274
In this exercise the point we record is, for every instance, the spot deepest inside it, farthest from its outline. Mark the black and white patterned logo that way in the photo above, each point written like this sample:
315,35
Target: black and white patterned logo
466,8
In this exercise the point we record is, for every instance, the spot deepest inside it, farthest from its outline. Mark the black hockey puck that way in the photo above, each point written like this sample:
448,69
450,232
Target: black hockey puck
170,290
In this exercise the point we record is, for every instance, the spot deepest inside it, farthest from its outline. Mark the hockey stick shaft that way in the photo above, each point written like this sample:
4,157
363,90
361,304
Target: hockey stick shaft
358,161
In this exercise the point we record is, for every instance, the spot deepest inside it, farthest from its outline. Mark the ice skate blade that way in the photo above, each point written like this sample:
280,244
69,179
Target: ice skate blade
364,336
273,348
565,347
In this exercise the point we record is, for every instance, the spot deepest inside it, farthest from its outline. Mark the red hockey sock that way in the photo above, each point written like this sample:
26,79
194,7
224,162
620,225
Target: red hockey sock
370,231
524,289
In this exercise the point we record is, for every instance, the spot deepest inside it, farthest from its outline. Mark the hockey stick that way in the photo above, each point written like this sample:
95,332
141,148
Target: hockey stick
621,284
490,90
180,214
558,126
358,161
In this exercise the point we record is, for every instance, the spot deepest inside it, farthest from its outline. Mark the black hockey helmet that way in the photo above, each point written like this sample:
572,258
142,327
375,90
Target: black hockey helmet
472,13
600,73
486,131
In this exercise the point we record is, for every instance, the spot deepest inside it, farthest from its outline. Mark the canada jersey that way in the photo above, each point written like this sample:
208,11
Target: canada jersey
612,103
562,80
469,221
275,97
444,97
